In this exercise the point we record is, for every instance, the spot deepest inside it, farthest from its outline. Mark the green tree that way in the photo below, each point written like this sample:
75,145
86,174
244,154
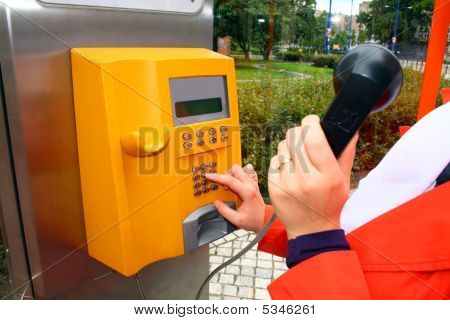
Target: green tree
269,24
301,20
314,41
235,18
362,36
340,39
353,43
379,22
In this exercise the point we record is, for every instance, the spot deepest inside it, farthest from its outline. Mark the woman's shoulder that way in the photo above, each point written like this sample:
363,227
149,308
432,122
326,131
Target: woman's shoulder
415,236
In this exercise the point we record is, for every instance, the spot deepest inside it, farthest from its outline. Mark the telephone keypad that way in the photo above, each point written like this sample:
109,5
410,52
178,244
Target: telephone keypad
199,171
186,136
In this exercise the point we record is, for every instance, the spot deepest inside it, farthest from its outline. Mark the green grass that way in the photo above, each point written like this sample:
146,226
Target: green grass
249,71
4,283
279,70
304,68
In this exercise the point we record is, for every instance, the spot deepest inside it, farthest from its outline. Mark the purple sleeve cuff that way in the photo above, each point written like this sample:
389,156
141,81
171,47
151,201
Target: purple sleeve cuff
309,245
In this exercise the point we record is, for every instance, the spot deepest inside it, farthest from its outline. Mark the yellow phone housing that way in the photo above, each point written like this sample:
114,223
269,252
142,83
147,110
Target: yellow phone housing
136,161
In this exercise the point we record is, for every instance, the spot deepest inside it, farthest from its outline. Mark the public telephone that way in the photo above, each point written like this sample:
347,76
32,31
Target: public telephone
150,123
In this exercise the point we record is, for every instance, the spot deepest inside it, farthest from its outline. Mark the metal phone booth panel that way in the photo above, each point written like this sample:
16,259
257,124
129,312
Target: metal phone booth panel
40,191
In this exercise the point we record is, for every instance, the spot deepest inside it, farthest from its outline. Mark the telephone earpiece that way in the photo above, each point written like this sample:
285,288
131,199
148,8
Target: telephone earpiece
367,79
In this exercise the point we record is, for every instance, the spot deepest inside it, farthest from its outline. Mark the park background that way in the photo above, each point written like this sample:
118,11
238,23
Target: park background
284,73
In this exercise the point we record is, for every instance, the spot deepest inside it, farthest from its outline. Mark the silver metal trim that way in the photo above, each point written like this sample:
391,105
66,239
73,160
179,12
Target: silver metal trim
166,6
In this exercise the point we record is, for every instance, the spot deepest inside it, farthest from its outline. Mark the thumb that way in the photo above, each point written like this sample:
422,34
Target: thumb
229,214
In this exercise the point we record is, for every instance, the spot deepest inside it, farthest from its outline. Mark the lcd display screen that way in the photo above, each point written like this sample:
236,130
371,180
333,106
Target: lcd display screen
199,99
198,107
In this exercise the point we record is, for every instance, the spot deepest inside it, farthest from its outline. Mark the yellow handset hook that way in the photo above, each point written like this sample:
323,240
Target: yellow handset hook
144,144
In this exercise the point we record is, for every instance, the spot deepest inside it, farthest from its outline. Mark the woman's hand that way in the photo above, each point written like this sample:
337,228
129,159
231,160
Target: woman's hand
308,186
250,215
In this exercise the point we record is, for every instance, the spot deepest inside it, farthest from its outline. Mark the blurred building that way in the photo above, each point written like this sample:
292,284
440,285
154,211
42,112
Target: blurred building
342,22
364,7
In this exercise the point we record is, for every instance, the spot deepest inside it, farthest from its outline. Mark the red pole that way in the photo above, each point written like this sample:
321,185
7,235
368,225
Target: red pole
435,57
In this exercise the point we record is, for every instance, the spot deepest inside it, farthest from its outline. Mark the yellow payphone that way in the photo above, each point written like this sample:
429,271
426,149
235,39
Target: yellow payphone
150,122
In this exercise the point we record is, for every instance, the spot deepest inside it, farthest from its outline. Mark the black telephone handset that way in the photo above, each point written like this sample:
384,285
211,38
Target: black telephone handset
367,79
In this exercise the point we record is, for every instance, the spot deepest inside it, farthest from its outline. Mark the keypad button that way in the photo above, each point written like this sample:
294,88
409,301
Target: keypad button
204,166
197,185
205,182
212,140
195,177
205,189
213,171
214,187
197,193
203,174
213,164
200,134
223,129
200,142
187,145
195,169
224,137
186,136
212,131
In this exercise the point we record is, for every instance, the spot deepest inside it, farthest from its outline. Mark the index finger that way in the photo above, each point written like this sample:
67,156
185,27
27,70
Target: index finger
231,182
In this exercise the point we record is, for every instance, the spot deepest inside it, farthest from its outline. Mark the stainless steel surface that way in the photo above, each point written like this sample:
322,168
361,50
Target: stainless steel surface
35,41
178,278
162,280
10,223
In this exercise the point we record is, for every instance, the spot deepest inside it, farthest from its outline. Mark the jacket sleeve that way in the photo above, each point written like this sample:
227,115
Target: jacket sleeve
329,275
275,241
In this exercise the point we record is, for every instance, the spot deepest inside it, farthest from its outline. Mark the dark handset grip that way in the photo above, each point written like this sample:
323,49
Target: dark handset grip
348,110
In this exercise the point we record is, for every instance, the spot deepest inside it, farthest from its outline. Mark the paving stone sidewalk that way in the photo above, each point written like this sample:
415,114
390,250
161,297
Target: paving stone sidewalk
246,278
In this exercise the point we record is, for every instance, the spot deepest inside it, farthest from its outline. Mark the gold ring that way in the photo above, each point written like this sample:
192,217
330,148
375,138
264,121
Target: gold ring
277,166
284,160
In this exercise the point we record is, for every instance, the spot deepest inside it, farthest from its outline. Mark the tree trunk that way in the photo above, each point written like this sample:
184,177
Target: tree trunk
269,46
247,55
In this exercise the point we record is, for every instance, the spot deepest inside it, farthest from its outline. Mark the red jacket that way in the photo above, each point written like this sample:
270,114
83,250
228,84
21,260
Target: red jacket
403,254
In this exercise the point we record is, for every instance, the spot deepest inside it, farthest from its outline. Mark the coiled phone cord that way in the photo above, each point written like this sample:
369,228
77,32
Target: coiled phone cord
261,234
